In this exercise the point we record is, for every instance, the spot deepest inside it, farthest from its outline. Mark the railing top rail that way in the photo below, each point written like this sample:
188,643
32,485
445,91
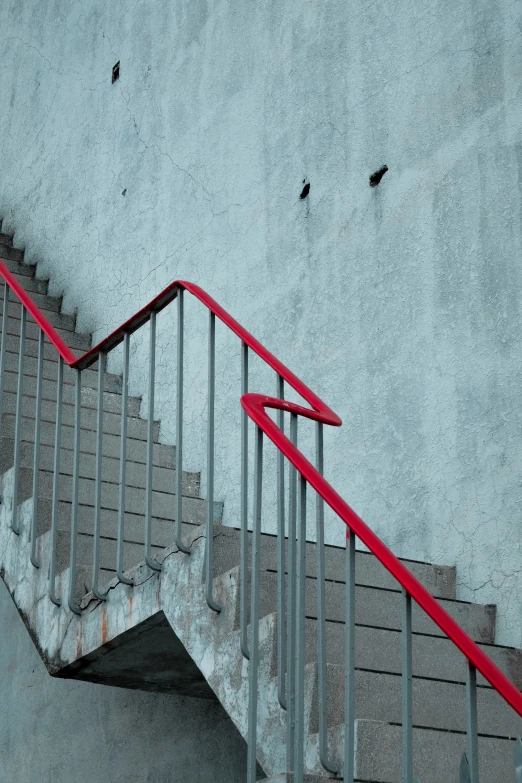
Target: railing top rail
255,405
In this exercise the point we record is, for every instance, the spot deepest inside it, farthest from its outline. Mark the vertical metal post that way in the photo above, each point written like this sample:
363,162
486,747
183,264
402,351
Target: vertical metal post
281,578
471,720
349,664
254,612
518,760
123,461
321,610
18,419
3,348
98,480
56,485
151,562
243,587
291,620
209,552
75,488
407,691
36,453
179,431
300,637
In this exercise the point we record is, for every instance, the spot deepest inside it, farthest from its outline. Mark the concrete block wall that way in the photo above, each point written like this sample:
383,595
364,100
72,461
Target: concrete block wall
399,304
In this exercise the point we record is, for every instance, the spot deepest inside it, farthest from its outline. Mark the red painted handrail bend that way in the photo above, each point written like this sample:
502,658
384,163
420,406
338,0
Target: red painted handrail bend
255,405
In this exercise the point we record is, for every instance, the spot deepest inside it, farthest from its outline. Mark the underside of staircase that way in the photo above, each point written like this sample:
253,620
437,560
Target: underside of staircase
159,634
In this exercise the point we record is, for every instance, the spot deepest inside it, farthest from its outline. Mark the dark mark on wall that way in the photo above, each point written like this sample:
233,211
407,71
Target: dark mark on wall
306,190
116,72
377,176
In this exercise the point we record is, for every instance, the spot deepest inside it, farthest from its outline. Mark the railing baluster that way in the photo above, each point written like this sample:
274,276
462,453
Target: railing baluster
56,484
18,419
349,663
321,611
281,578
254,611
98,481
3,349
36,453
151,562
123,461
471,720
243,595
300,637
179,431
291,621
75,491
209,552
518,760
407,691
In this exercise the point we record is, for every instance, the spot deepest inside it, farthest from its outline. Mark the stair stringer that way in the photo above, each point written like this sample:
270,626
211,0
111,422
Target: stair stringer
211,639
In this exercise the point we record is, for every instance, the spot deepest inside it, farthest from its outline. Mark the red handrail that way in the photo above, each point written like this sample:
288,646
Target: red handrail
255,405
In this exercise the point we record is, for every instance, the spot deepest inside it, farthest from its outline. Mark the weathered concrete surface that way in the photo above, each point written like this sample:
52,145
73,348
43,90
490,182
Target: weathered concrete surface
56,731
398,304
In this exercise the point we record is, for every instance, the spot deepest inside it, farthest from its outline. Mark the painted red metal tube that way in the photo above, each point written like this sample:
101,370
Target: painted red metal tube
255,406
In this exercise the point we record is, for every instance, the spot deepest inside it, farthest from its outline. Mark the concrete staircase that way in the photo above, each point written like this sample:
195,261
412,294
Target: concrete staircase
160,635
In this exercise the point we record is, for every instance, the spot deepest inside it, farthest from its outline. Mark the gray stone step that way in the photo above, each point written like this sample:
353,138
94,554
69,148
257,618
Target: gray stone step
137,428
112,382
378,696
436,755
439,580
48,304
382,608
64,325
379,649
10,253
31,284
136,445
89,396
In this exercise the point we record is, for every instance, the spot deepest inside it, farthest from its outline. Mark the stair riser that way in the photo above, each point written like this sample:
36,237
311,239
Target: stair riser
379,697
136,447
89,396
382,609
9,253
112,383
163,479
29,284
439,580
49,304
136,428
77,342
436,755
16,267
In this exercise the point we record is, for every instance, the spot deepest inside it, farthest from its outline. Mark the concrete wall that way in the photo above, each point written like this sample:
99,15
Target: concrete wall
57,731
398,304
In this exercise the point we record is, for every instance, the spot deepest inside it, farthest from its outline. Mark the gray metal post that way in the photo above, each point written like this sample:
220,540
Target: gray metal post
56,485
253,666
18,419
349,664
36,453
151,562
471,720
98,481
518,760
209,552
281,577
407,691
179,431
300,638
123,462
328,765
75,492
291,602
243,587
3,348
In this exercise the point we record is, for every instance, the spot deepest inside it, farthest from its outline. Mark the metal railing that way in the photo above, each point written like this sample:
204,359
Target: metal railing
303,477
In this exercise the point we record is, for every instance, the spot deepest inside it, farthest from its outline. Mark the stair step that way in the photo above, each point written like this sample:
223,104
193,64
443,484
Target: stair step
112,382
30,284
48,304
378,697
439,580
436,755
379,650
136,443
136,427
63,324
10,253
381,608
89,396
